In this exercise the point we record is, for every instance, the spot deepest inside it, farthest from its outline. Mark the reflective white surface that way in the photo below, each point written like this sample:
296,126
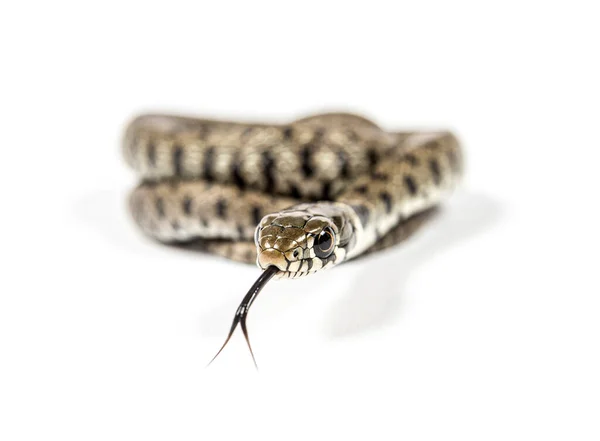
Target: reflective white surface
483,326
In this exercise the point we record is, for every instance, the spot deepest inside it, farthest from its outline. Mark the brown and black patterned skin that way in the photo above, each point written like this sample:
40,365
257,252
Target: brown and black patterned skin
265,193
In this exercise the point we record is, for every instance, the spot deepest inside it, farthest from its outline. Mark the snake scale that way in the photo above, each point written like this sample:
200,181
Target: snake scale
294,198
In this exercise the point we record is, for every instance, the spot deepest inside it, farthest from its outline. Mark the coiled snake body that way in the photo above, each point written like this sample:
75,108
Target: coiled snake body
294,198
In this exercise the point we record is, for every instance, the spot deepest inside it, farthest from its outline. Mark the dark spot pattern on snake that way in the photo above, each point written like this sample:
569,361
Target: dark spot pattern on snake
377,176
363,214
207,169
410,184
373,158
295,192
288,133
344,164
306,156
411,159
361,189
177,160
269,169
318,135
221,208
187,205
238,179
387,201
434,167
309,262
327,195
256,214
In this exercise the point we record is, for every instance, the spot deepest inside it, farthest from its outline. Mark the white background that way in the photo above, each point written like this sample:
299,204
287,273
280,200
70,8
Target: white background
485,326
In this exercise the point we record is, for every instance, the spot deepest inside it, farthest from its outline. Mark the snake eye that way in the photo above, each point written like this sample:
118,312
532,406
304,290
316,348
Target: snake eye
324,243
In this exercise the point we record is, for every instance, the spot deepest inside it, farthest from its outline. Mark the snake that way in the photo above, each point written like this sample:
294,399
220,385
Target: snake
296,198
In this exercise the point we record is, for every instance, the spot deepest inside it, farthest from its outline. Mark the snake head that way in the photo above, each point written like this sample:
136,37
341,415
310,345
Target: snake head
300,241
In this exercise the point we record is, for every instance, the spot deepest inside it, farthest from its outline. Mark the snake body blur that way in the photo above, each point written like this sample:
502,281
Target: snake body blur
272,193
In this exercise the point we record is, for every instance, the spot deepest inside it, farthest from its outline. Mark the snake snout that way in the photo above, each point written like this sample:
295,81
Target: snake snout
272,257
